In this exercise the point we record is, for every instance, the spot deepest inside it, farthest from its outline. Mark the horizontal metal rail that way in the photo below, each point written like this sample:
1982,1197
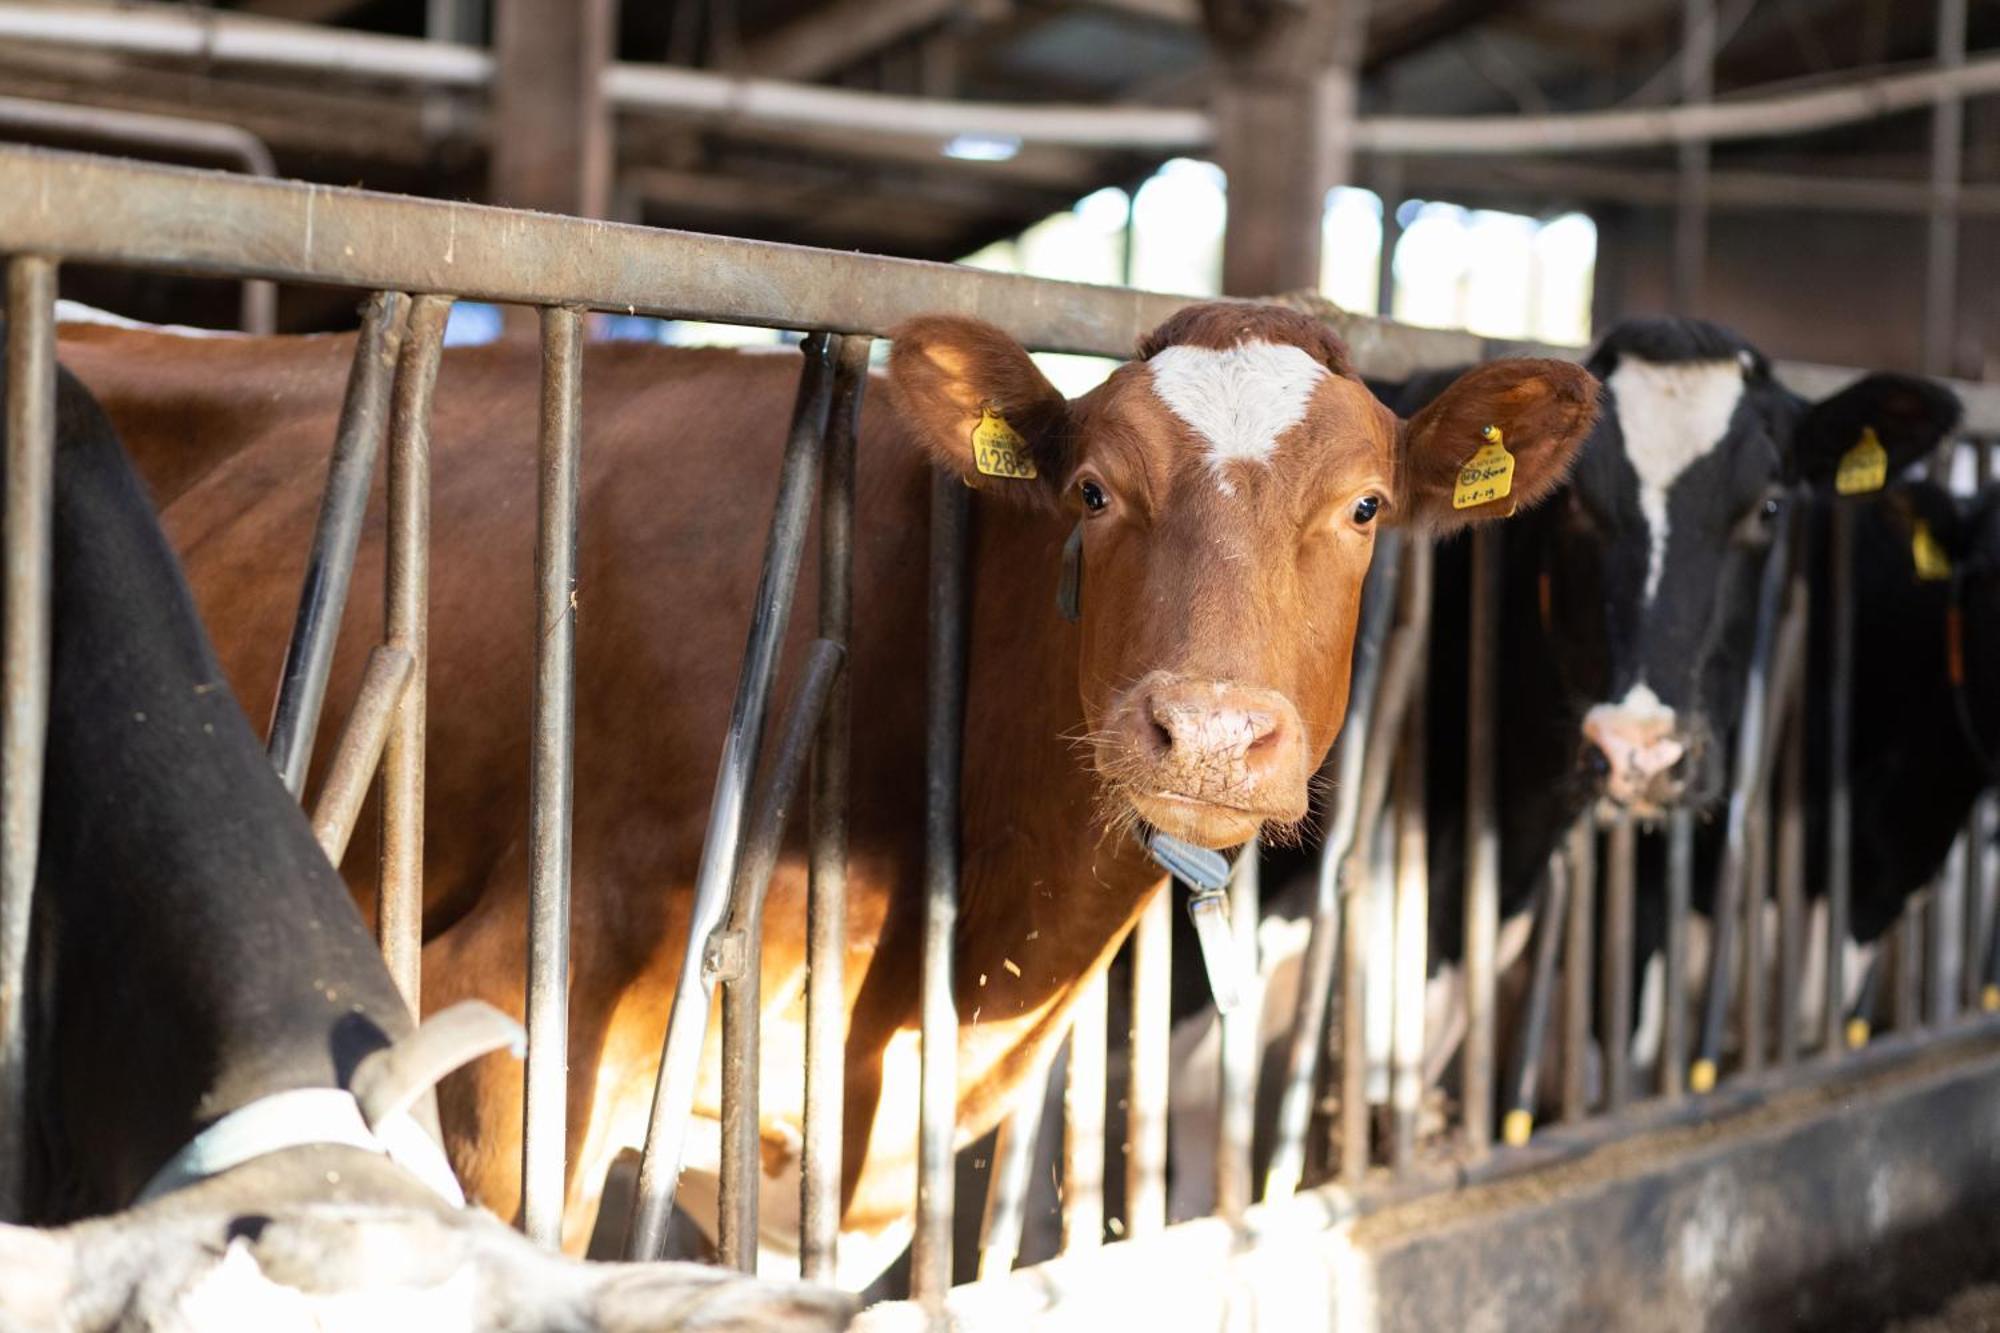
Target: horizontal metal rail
178,219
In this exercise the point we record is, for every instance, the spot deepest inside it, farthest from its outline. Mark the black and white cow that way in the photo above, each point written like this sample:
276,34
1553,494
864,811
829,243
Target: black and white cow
230,1099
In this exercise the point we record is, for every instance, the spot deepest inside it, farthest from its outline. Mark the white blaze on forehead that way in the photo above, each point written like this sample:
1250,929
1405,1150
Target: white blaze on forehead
1239,399
1670,415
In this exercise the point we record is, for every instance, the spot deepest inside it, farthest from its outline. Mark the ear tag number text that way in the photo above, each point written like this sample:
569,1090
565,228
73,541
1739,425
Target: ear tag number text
1488,475
1933,565
1864,468
998,449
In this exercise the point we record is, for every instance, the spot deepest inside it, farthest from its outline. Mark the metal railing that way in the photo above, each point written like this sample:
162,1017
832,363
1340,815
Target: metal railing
415,257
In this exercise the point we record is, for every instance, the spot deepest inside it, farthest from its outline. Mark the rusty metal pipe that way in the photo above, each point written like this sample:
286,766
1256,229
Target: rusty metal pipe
735,957
24,678
336,535
687,1024
406,597
826,884
359,752
544,1141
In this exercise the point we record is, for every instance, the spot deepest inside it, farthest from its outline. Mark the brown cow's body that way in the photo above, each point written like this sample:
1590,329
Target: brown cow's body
673,520
1228,485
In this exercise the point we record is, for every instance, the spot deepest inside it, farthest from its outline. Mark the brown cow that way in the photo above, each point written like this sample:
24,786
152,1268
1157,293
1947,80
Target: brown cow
1229,483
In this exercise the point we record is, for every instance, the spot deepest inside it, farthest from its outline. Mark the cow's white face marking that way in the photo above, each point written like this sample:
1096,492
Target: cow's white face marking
1239,399
1670,415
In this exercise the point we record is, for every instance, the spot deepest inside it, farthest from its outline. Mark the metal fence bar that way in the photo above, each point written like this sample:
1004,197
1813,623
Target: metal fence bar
1550,906
1839,799
358,754
1235,1185
687,1022
951,518
1906,1008
1007,1184
1316,976
1146,1111
1756,893
1792,873
399,911
1680,896
24,640
1412,903
736,959
1579,956
1083,1121
1987,844
1621,853
826,891
1482,838
544,1170
1749,773
330,563
1947,931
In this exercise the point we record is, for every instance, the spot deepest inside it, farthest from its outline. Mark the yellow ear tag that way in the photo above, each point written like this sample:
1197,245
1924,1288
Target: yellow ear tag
1864,468
998,449
1488,475
1933,565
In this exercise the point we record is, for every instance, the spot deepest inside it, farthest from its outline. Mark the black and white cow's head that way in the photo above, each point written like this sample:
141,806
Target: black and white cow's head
1656,548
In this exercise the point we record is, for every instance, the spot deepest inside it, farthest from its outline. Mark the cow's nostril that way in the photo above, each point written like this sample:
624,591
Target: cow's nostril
1596,762
1163,738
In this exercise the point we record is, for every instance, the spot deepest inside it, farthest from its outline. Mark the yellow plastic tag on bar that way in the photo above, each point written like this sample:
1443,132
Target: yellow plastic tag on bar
1488,475
1933,565
998,449
1864,468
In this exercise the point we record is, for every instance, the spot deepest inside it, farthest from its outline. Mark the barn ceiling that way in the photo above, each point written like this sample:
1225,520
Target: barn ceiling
1436,57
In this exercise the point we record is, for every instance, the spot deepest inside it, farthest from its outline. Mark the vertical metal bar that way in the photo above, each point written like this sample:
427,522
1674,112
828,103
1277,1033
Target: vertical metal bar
1792,870
826,891
1579,957
736,959
1621,855
1146,1115
1236,1117
930,1270
1412,941
687,1021
1007,1184
1355,926
1778,635
1680,894
1947,153
1987,843
1316,975
1906,1000
1756,892
399,911
24,639
1482,838
1691,209
330,564
551,767
1947,927
1978,902
1083,1121
1839,799
1519,1123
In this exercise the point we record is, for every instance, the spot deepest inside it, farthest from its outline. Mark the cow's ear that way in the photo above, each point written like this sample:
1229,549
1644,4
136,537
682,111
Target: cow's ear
1501,436
1856,440
976,401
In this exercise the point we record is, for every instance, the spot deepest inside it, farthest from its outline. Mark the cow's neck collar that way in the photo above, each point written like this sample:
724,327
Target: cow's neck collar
303,1118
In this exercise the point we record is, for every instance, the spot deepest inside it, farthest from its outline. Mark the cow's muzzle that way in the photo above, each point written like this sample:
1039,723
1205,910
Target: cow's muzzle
1209,761
1639,756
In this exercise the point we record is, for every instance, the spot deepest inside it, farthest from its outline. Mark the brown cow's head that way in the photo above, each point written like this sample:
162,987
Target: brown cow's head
1229,484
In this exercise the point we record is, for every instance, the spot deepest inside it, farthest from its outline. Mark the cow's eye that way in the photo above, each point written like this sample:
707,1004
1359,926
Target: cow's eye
1093,496
1366,508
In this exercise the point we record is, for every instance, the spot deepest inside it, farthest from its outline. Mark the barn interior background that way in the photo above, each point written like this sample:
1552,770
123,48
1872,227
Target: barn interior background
1821,175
